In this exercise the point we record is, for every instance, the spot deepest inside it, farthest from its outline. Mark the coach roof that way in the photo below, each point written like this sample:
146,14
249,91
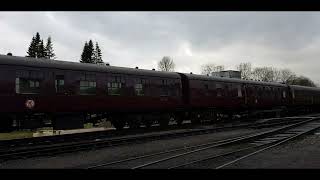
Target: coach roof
67,65
231,80
296,87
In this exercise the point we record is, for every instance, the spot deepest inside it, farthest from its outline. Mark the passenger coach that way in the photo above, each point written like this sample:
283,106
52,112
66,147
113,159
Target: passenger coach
65,92
208,97
65,95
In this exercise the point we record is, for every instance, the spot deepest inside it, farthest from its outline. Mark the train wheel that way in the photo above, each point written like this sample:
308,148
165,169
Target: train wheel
134,123
164,121
196,118
6,124
229,116
118,123
147,123
179,120
214,117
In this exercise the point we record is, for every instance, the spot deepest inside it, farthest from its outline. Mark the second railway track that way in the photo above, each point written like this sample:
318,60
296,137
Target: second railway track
220,153
49,150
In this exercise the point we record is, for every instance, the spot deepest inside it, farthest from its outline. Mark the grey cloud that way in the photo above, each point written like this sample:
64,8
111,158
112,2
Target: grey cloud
191,38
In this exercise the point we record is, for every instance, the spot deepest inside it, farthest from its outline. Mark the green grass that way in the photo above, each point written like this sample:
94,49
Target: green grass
88,125
16,135
29,134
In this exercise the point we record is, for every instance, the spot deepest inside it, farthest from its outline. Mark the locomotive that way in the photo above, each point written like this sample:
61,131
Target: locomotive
65,94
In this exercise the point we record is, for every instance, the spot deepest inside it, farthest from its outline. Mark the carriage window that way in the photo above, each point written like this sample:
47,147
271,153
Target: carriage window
139,87
28,82
114,87
293,95
87,84
206,88
267,92
164,88
87,87
284,94
233,90
239,91
27,86
260,91
219,90
226,90
59,83
175,87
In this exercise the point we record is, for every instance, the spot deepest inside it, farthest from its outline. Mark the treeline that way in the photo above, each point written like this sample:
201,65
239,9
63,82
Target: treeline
266,74
272,74
92,54
37,49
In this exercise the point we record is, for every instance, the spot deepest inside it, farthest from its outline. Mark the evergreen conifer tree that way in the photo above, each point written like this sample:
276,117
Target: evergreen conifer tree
32,50
37,43
41,50
84,55
90,52
49,49
98,54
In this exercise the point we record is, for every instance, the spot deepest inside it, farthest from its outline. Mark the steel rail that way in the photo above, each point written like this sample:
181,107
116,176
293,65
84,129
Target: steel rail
222,144
86,145
266,148
83,145
209,145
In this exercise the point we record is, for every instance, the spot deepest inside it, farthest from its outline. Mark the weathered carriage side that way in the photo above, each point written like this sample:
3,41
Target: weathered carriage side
66,92
211,96
304,99
34,92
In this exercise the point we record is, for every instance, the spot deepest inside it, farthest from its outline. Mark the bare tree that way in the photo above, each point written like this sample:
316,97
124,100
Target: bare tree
263,74
245,70
166,64
302,81
268,74
210,68
276,75
287,75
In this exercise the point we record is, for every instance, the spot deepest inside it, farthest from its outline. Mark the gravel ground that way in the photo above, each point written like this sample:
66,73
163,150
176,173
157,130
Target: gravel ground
303,153
84,159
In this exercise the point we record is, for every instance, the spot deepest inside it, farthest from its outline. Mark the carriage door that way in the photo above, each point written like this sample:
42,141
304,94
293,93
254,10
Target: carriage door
283,96
242,93
59,84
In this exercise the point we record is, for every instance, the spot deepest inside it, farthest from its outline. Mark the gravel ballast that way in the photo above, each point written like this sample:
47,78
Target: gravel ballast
302,153
87,158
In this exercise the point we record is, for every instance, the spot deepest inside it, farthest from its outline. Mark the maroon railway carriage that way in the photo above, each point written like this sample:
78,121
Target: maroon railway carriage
34,91
305,98
209,95
59,89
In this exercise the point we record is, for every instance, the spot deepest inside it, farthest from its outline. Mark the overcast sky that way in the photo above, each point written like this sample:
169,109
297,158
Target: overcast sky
280,39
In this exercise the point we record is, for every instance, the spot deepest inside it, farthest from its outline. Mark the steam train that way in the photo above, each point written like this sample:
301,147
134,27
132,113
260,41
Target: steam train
36,92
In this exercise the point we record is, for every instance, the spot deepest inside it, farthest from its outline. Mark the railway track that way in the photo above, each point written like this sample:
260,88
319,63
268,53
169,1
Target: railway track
56,139
47,140
68,147
226,159
218,154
